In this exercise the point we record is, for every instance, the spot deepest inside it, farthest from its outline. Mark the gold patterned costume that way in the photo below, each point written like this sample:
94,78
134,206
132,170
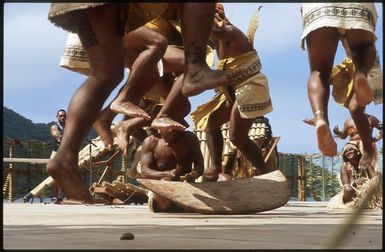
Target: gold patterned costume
342,80
251,90
344,16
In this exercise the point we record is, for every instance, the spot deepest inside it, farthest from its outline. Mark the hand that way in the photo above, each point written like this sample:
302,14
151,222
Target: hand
311,121
360,181
191,177
336,131
172,174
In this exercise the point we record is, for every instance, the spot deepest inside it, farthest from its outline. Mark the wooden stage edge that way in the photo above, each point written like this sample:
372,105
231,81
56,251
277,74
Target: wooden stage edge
296,225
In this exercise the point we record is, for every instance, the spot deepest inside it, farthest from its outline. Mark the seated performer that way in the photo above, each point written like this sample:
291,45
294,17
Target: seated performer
356,183
241,102
350,130
174,156
351,176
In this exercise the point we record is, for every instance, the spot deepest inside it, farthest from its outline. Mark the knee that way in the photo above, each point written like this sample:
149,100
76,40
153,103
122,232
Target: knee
159,45
355,109
349,193
109,77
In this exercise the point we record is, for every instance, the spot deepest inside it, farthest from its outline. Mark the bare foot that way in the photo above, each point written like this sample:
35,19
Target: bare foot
123,132
128,109
311,122
326,143
64,170
224,177
166,123
103,128
200,79
362,89
211,174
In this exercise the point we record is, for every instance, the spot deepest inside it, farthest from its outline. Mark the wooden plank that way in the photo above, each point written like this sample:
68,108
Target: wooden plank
26,160
250,195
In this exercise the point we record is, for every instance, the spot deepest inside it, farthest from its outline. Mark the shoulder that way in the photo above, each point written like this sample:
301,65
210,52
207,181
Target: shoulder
150,141
54,126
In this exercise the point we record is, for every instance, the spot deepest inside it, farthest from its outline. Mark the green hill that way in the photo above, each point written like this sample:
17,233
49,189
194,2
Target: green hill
19,127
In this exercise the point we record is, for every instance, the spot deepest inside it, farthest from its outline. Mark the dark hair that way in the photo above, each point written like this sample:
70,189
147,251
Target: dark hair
61,110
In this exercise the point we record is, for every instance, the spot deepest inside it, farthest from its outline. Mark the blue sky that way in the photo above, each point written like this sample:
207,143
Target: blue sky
36,87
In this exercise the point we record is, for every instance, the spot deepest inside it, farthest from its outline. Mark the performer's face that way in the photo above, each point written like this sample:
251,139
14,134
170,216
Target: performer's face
351,154
61,117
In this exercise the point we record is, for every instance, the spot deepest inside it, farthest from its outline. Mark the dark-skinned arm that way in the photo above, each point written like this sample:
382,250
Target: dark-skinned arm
197,158
345,179
341,134
148,162
56,133
224,33
375,123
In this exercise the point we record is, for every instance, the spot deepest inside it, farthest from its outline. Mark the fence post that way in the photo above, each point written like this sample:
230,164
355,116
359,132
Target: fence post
301,179
323,179
10,174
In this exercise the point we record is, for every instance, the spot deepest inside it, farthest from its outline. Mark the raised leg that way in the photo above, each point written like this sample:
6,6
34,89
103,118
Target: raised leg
101,37
197,19
239,135
361,122
361,44
322,45
143,72
175,108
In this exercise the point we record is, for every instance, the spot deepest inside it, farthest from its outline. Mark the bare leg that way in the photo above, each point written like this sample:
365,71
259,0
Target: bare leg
176,105
197,19
106,73
175,108
239,136
322,45
173,60
102,126
361,44
143,73
357,113
125,129
214,140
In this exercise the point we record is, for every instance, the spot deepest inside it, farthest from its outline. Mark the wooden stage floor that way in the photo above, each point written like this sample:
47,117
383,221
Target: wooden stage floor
293,226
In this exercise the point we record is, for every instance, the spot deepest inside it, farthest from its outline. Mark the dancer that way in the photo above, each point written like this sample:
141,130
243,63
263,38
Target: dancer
321,34
239,103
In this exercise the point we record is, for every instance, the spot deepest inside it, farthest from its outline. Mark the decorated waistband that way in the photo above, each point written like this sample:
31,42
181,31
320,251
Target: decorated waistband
336,11
254,68
255,106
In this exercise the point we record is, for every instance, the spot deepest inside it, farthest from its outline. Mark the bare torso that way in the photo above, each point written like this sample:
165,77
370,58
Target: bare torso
170,156
230,41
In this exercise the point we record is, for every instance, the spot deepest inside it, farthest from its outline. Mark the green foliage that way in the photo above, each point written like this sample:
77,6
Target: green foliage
322,175
18,127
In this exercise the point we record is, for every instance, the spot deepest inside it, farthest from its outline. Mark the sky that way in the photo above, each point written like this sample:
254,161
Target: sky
35,86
